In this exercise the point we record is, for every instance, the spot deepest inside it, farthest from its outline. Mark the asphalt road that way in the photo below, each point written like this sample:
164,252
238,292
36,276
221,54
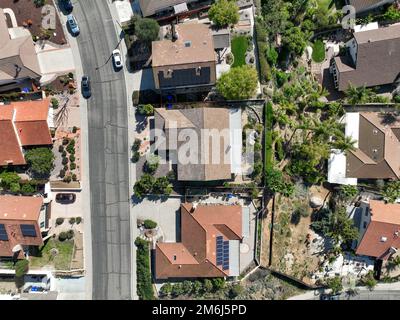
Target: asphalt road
108,153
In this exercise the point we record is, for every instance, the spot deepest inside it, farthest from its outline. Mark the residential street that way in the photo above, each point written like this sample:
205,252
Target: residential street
108,149
384,291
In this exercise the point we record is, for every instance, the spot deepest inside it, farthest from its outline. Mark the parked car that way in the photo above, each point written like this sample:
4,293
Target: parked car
117,58
67,4
73,25
86,88
65,197
330,297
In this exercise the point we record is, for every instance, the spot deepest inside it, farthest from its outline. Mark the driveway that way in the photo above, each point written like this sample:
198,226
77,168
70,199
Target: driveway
165,213
67,211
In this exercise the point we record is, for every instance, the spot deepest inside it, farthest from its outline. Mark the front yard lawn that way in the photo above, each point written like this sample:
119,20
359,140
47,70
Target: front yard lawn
239,49
44,257
318,54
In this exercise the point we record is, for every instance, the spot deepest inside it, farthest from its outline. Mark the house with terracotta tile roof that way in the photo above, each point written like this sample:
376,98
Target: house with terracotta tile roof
22,221
18,57
380,238
23,125
210,239
187,61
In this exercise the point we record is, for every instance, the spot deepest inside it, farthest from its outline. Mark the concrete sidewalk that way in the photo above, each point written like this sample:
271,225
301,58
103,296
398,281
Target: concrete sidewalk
87,234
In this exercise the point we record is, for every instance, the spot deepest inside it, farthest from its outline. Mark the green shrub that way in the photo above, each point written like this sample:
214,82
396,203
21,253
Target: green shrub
65,141
28,188
72,166
72,158
74,129
318,54
72,221
136,156
54,103
61,149
143,273
59,221
70,234
78,220
74,177
65,161
67,179
145,109
21,268
62,236
149,224
136,145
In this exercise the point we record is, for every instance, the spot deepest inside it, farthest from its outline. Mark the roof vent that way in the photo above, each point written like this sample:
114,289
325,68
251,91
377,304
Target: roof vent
194,207
180,266
174,257
383,239
188,44
375,131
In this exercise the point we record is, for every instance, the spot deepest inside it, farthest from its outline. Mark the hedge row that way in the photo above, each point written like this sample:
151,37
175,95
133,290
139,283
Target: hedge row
143,273
268,136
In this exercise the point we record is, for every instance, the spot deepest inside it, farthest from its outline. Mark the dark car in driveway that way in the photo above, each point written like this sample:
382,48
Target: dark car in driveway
65,197
86,88
67,5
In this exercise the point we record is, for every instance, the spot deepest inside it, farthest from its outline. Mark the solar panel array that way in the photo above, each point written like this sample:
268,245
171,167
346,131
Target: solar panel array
222,253
28,230
3,233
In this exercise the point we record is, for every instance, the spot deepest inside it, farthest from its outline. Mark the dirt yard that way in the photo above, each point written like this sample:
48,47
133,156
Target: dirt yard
26,10
292,253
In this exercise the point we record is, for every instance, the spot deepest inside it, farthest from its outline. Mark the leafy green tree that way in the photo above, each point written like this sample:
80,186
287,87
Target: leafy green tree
162,186
177,289
369,281
224,12
28,188
295,40
166,289
147,29
392,13
207,286
143,273
335,284
391,191
218,283
40,160
197,287
347,192
275,15
272,56
144,185
275,183
239,83
152,164
15,187
344,144
337,226
187,287
9,178
21,268
235,290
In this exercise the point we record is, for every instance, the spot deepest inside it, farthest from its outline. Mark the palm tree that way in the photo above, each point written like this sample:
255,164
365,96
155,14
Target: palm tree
359,95
345,144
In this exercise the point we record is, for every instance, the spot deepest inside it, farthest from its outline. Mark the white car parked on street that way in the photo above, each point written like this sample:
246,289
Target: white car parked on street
117,58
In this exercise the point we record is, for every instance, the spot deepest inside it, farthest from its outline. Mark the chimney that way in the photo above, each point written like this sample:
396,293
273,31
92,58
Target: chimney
383,239
194,207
